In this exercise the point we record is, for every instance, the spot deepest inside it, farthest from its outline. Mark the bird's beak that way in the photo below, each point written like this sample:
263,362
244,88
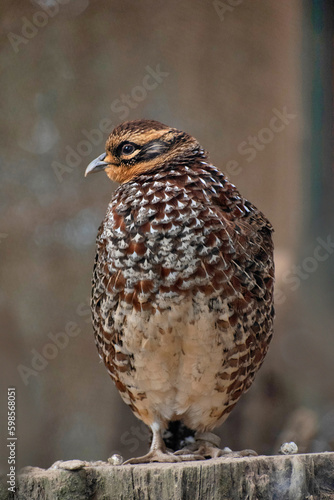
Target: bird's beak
97,165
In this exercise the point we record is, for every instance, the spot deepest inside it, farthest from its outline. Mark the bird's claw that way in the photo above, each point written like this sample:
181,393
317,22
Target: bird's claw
153,456
164,457
206,445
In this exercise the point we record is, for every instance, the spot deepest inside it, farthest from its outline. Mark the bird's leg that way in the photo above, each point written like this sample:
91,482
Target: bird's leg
207,445
158,451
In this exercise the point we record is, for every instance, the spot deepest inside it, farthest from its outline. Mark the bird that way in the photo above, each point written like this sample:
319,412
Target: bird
182,287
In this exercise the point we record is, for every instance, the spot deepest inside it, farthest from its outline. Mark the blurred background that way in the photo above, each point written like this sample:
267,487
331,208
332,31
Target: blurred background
253,82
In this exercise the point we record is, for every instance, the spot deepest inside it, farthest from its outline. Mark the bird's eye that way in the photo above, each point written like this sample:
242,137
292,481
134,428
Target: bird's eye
127,149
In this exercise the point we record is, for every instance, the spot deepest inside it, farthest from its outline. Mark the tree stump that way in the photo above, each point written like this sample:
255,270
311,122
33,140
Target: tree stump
290,477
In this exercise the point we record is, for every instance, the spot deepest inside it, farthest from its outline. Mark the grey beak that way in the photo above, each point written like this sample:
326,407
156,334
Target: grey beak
97,165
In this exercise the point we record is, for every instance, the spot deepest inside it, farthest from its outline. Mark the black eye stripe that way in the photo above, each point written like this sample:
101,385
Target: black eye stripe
147,151
152,149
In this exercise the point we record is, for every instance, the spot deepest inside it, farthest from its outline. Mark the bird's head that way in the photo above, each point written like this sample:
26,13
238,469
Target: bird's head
139,146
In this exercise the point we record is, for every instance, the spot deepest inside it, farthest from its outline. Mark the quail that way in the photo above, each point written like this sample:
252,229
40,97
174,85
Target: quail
182,295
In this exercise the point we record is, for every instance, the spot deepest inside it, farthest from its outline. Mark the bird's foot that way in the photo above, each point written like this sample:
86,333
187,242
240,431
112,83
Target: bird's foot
153,456
162,457
206,445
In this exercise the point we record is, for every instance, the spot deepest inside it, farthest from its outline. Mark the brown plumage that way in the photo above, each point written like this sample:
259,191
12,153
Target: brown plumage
182,299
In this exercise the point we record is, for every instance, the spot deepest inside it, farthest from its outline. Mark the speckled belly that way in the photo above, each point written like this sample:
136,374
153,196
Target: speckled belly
186,366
